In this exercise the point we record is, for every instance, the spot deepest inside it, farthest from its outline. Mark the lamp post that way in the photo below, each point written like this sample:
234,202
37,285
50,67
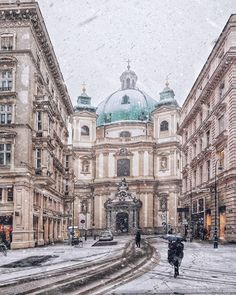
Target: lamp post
190,212
215,244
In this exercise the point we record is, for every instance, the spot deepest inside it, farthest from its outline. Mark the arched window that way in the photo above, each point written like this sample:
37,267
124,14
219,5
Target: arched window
164,126
133,84
128,83
123,167
125,134
85,130
85,166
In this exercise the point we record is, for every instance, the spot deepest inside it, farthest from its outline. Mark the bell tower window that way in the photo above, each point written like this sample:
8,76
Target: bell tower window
164,126
85,131
128,83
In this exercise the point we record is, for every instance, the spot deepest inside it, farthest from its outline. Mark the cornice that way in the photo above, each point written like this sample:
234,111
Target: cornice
219,72
29,14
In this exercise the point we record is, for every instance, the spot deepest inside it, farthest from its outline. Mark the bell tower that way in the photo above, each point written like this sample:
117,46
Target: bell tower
84,122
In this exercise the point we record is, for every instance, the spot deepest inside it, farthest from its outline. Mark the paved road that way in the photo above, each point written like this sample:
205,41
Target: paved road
204,270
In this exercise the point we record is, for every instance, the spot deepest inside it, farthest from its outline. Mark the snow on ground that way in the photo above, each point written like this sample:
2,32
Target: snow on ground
67,256
204,270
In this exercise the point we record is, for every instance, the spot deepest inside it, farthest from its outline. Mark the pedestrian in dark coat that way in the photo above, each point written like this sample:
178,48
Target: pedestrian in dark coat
138,238
175,255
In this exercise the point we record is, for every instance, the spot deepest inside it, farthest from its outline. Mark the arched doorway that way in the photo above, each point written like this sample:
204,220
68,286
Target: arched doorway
122,212
122,222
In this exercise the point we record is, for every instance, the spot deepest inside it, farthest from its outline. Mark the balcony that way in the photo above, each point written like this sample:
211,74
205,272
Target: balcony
43,177
7,88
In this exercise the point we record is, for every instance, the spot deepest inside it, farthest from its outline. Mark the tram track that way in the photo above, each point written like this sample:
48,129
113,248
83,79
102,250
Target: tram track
86,278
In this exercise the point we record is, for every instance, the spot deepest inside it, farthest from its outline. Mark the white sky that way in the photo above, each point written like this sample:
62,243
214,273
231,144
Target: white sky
94,38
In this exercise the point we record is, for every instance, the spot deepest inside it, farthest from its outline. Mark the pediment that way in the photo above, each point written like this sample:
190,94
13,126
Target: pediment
6,133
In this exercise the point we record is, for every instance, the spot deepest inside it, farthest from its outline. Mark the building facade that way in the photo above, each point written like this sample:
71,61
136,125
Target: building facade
34,111
126,160
208,130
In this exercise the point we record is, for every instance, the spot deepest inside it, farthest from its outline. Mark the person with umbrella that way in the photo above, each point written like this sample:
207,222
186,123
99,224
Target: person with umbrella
175,254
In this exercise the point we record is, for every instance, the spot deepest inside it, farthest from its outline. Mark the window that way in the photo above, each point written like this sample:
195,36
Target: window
10,194
194,206
201,117
1,194
195,177
6,80
6,42
200,144
200,205
208,169
164,126
201,171
38,158
125,134
208,138
186,135
208,109
194,149
222,158
85,130
221,90
39,121
128,83
194,126
221,124
5,154
67,161
123,167
125,99
5,114
85,166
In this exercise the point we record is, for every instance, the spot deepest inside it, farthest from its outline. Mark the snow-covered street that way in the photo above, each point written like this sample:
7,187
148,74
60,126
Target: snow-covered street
204,270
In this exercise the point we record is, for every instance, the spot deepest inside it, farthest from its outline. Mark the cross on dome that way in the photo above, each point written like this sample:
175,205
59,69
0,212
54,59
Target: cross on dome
128,66
83,87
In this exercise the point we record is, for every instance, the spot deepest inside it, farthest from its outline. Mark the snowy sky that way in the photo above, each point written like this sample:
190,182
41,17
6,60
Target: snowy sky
94,38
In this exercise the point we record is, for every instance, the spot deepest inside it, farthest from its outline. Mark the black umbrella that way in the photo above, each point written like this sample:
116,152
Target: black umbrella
172,238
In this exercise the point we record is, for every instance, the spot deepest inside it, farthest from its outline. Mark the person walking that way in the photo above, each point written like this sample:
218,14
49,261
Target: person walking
175,255
138,238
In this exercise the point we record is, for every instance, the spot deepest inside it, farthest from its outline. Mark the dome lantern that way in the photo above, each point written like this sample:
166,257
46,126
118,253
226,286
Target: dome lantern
84,102
167,97
128,78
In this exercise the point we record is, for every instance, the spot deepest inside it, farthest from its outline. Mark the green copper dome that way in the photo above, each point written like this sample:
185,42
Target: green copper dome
127,104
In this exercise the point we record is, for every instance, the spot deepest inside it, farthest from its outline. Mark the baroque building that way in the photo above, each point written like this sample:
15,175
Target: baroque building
208,130
126,160
34,111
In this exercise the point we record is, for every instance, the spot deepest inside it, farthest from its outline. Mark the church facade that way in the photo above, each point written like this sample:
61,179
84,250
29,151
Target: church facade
127,158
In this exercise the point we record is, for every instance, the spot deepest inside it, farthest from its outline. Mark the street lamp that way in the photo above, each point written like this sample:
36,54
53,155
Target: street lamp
215,244
190,211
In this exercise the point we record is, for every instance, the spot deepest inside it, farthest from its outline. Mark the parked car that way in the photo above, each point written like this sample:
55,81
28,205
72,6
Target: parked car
106,236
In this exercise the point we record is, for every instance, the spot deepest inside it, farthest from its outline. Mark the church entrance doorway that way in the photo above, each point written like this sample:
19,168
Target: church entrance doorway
122,222
122,211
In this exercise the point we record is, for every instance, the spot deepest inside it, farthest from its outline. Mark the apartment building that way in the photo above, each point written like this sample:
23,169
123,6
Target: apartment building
208,130
34,111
